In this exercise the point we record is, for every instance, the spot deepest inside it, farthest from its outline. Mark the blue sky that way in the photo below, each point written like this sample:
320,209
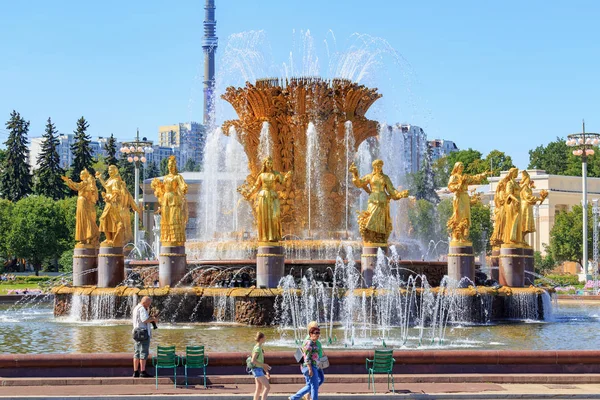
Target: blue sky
508,75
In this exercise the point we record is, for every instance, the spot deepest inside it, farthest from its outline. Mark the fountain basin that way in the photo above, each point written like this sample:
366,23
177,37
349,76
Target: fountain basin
254,306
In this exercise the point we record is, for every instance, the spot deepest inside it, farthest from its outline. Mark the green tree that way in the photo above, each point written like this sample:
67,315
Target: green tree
481,227
543,264
81,149
48,182
497,161
566,236
127,172
190,165
15,179
6,209
552,158
470,158
151,170
422,183
68,209
38,232
428,223
441,172
111,150
164,166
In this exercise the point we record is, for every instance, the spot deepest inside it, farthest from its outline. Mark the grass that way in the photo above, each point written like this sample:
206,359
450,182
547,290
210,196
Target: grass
5,287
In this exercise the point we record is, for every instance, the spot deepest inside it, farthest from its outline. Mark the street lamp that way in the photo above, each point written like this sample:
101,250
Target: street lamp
583,144
136,151
595,212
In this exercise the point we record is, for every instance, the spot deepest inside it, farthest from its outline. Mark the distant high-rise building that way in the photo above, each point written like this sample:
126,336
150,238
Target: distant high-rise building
415,146
441,148
63,149
187,138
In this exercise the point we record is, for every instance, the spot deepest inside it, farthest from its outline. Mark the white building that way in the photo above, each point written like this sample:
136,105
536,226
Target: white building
63,149
441,148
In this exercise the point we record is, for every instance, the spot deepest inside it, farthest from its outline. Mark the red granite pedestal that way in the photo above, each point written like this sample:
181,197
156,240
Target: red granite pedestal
85,261
269,266
171,265
111,266
511,266
368,261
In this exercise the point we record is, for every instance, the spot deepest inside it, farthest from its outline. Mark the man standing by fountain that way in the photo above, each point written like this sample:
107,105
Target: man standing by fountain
141,323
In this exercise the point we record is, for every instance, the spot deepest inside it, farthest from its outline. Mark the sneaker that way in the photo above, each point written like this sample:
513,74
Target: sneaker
136,374
144,374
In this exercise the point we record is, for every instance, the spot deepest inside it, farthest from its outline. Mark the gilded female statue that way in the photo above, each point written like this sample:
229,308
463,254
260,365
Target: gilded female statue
512,232
499,217
173,205
375,224
268,212
460,221
111,220
528,200
127,205
86,229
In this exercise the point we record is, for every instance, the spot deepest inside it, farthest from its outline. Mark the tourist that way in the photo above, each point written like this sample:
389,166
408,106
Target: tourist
260,370
310,366
314,324
141,321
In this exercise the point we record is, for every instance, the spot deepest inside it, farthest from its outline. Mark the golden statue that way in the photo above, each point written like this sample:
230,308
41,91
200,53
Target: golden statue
512,231
460,221
86,229
127,204
115,218
170,193
375,223
268,211
499,213
528,200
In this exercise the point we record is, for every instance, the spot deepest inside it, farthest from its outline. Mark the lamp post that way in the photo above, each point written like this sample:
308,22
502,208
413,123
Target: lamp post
583,144
136,151
595,211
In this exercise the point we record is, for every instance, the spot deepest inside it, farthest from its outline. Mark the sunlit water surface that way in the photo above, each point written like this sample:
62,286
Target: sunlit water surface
34,329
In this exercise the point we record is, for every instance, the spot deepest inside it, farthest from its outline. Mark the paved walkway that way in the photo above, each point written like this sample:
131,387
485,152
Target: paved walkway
128,389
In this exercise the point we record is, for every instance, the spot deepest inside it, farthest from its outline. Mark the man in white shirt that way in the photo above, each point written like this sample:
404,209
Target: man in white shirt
141,319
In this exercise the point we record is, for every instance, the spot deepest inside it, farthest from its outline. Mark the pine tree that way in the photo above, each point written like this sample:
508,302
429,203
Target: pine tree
81,149
15,179
48,182
151,170
127,172
111,151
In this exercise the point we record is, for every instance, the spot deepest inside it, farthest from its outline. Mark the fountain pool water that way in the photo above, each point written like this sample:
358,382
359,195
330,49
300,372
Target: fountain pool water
34,329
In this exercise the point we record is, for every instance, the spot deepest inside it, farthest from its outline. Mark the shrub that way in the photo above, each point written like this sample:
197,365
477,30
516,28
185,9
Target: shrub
66,261
560,280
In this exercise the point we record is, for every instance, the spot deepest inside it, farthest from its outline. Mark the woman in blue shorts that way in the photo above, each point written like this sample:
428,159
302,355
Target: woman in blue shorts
260,370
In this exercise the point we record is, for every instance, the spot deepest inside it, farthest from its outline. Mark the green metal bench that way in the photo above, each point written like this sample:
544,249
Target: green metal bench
195,358
165,358
382,363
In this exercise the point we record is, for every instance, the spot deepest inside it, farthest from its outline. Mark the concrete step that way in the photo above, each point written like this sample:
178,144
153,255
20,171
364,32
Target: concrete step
299,379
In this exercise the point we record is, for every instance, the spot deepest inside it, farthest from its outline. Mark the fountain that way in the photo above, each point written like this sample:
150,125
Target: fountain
316,128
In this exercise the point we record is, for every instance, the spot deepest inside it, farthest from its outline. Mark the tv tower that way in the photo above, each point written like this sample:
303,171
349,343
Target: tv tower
209,45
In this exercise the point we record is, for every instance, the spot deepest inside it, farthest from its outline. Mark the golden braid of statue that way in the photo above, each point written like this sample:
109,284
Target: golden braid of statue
512,231
528,200
460,221
86,229
170,193
111,220
268,212
375,223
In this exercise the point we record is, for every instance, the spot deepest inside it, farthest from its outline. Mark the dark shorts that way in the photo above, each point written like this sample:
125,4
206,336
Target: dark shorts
141,350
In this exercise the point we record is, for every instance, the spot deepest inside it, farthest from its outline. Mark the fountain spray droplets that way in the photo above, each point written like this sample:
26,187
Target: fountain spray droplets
265,144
